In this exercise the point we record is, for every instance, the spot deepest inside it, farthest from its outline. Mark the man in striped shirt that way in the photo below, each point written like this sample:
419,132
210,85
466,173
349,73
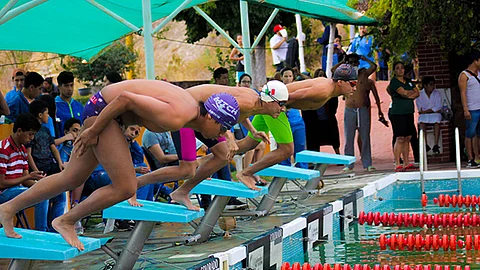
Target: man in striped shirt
14,176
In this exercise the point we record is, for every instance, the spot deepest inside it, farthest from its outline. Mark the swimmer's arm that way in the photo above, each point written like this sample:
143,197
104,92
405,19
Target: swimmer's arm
248,125
372,68
158,153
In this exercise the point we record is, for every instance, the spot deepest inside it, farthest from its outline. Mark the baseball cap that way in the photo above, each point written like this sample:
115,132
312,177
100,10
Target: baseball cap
19,70
277,28
274,91
224,109
345,72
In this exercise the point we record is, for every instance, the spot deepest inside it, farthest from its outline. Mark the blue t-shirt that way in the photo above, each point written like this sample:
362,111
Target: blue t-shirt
18,105
50,126
65,150
11,94
136,152
163,139
67,111
294,117
363,46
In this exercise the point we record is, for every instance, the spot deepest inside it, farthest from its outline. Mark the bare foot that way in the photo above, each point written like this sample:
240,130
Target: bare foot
247,180
6,219
183,199
67,231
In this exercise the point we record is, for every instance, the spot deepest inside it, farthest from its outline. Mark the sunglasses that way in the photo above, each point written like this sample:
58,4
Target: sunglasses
280,103
352,83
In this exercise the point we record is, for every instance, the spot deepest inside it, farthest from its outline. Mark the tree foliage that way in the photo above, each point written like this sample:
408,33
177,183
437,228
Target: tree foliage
453,24
117,58
226,13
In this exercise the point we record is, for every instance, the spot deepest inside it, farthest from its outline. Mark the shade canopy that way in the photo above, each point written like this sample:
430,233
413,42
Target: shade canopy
335,11
76,27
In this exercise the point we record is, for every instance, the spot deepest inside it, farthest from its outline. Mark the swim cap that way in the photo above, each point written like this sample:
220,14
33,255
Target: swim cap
345,72
274,91
224,109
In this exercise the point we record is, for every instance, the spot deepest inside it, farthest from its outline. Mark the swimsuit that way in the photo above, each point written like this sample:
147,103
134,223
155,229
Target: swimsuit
94,106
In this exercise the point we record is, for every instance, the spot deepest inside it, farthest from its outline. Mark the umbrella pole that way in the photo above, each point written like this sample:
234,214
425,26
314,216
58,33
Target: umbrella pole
330,50
246,37
148,40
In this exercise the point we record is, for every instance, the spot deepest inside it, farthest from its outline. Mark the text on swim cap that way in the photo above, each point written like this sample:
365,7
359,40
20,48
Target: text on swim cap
225,108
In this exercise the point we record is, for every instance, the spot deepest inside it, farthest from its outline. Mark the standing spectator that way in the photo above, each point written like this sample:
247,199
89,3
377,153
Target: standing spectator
31,90
49,88
67,107
403,93
18,79
296,122
279,46
324,41
14,176
111,77
236,55
338,52
321,125
429,105
362,45
43,156
469,85
383,57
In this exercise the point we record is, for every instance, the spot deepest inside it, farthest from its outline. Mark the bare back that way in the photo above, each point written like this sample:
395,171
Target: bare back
162,105
310,94
360,97
247,98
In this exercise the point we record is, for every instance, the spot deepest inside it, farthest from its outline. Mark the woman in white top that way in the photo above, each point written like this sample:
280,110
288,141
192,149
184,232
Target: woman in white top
429,105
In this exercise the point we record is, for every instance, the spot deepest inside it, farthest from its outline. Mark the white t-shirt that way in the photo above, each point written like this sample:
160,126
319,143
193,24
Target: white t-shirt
473,92
434,102
279,54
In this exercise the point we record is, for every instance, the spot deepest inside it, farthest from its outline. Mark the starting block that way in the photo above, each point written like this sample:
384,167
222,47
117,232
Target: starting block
36,245
322,161
280,175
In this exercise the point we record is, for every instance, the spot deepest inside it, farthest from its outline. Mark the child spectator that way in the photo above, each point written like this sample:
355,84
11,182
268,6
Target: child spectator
31,90
14,176
67,107
18,79
429,105
65,144
43,156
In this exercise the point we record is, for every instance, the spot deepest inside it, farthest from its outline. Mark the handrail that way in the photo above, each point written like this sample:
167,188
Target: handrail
422,160
458,161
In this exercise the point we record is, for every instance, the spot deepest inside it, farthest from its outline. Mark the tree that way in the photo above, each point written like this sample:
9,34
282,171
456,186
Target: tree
226,13
117,58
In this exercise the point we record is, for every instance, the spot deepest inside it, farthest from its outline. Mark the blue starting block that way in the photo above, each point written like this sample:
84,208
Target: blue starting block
145,218
36,245
223,190
322,161
280,175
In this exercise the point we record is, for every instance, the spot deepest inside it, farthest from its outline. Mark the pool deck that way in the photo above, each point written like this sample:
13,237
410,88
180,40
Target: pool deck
182,257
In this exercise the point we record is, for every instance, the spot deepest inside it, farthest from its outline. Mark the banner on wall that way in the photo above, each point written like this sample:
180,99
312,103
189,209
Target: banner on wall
265,251
352,203
315,229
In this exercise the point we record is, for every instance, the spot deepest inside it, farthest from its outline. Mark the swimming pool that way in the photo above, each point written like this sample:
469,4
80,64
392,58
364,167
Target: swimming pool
326,236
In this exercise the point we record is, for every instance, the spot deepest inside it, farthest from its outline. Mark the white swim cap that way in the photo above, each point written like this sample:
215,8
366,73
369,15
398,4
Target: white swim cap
274,91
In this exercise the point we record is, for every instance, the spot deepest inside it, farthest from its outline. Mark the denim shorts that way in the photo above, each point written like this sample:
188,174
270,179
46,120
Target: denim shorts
472,124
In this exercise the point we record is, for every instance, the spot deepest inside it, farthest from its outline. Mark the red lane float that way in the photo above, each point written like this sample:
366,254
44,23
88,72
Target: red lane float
419,220
307,266
434,242
455,201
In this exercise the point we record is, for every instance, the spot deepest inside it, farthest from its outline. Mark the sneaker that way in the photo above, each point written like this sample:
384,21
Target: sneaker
472,164
347,170
235,204
122,226
370,169
436,149
399,168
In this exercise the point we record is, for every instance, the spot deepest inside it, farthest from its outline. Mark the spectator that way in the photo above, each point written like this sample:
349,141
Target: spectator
220,76
321,125
49,88
236,55
324,40
14,176
362,45
18,79
65,145
383,58
296,122
429,105
338,52
279,46
403,93
469,85
52,124
111,77
31,90
43,156
67,107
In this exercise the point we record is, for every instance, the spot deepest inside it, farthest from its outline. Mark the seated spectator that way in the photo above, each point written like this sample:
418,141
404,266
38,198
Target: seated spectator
67,107
43,156
14,176
49,88
31,90
18,79
429,105
111,77
65,144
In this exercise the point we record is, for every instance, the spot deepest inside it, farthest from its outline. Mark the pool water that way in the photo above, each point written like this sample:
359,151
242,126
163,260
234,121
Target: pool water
359,245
